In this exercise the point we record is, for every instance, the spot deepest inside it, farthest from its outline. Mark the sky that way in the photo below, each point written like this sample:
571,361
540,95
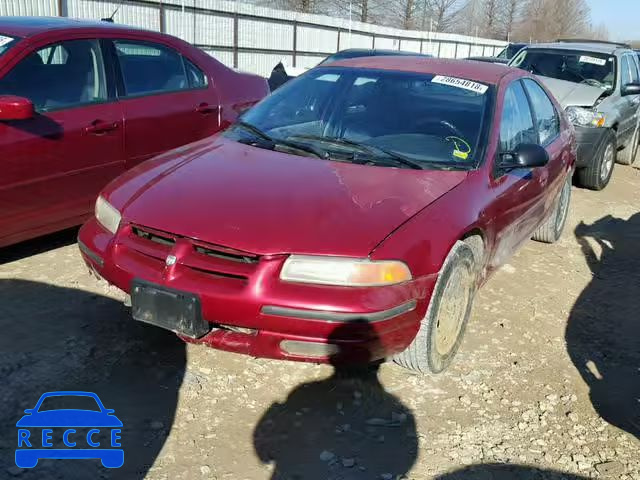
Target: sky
621,17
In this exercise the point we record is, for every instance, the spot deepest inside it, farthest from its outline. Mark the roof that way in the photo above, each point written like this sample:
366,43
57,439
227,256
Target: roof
490,73
28,26
606,48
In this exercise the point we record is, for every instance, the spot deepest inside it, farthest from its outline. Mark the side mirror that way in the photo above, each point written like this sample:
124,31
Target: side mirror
630,89
109,411
15,108
526,155
29,411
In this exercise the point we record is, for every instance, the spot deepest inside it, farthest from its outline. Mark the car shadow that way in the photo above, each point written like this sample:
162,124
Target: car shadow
603,333
38,245
506,472
345,426
57,339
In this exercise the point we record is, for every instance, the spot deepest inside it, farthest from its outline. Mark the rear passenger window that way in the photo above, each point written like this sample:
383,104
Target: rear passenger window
196,77
61,75
516,126
546,115
149,68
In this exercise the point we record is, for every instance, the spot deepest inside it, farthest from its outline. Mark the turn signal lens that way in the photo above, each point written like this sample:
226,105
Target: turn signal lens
351,272
107,215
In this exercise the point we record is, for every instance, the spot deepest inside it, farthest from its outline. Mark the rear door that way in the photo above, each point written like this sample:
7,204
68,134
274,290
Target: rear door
547,120
54,164
167,99
629,104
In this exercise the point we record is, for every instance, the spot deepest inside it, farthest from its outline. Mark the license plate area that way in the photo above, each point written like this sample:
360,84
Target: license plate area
167,308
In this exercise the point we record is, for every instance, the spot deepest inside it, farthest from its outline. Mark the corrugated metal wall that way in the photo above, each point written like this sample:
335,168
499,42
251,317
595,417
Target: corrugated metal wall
255,38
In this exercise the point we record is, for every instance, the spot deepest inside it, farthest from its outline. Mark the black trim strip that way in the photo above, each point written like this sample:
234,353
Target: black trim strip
89,253
338,316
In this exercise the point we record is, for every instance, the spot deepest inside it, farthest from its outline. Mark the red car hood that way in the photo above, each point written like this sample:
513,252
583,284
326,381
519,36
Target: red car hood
264,202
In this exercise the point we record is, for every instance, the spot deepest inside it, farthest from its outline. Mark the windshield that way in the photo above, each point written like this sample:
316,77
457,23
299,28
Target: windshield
6,42
590,68
337,112
69,402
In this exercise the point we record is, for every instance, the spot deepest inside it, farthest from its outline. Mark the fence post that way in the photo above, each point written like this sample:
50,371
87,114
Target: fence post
62,8
373,42
338,45
163,26
235,39
295,41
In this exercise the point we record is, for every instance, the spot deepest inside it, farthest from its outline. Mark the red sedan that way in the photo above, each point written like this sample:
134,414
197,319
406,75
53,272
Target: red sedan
350,216
81,102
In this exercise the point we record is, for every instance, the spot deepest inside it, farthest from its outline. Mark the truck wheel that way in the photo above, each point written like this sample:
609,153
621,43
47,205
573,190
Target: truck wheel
551,230
597,175
442,328
628,155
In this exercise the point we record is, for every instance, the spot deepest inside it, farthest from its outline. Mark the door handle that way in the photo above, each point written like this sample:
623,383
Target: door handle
205,109
99,127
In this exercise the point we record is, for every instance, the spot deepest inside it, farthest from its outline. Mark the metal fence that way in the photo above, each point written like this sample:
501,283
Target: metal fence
254,38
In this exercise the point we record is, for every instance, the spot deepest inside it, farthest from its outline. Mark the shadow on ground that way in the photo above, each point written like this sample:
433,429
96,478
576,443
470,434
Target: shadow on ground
344,427
603,333
38,245
66,339
506,472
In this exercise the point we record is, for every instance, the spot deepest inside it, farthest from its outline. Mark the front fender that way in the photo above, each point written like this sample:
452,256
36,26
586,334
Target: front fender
424,241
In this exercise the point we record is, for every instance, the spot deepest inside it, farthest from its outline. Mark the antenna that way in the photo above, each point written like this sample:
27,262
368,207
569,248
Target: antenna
110,19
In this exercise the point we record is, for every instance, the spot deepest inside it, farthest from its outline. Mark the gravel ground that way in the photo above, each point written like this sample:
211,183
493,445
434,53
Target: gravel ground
547,380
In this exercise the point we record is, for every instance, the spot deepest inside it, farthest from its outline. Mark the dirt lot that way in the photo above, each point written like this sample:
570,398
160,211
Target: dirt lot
548,378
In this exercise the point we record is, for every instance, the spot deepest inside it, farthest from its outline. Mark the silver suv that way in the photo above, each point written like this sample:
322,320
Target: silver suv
598,85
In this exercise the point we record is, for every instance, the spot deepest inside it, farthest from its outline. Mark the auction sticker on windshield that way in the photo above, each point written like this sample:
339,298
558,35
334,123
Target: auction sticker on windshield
593,60
460,83
4,40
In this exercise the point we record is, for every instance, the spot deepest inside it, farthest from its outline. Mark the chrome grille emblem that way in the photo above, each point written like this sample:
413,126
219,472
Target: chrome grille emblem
171,260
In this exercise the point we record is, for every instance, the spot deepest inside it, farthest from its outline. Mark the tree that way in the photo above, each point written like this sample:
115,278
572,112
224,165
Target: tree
442,13
548,20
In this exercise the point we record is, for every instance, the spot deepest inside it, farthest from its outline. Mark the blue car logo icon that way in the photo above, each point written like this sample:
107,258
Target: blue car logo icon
71,428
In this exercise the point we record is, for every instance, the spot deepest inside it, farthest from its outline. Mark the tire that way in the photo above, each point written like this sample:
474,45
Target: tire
597,175
628,155
436,343
551,230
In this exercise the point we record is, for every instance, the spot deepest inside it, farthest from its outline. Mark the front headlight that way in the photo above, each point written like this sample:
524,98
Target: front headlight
107,215
348,272
585,117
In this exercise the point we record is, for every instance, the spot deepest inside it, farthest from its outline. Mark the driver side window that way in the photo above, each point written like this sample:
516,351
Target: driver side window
61,75
516,124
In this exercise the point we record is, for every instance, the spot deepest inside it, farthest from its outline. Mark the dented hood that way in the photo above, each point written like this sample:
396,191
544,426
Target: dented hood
265,202
572,94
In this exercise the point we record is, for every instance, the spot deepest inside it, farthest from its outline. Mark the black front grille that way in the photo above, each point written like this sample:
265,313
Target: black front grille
210,252
155,237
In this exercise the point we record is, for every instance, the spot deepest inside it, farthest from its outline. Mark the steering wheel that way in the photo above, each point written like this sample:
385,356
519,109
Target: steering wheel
593,82
453,130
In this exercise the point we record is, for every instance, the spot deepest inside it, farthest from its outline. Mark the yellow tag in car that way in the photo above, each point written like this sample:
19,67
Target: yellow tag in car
459,154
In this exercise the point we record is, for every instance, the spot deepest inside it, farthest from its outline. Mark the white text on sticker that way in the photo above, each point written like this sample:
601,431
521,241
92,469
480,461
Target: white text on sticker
593,60
460,83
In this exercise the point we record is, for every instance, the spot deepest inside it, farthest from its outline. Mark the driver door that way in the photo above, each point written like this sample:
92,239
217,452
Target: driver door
518,195
55,163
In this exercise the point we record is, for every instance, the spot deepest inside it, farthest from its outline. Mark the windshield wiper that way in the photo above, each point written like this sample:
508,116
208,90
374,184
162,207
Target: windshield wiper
371,149
274,142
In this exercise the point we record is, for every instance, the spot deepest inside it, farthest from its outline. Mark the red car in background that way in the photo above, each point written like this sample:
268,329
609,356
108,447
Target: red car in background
348,217
81,102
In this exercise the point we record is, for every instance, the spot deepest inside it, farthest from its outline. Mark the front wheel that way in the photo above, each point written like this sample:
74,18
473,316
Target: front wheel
596,176
442,329
551,230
